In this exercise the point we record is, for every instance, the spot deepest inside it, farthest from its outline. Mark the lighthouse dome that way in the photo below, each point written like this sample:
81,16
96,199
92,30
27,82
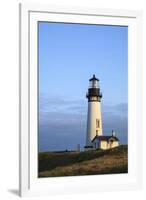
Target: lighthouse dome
94,78
94,82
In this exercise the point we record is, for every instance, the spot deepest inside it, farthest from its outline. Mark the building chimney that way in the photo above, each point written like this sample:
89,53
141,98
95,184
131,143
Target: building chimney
113,133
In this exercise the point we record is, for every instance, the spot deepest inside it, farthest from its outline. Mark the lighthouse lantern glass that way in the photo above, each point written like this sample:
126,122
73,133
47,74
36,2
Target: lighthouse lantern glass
94,84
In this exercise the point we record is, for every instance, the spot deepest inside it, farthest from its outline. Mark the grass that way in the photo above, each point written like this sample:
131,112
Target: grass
53,164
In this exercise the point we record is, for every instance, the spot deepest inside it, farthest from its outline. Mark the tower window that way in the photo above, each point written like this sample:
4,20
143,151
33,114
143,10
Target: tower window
97,123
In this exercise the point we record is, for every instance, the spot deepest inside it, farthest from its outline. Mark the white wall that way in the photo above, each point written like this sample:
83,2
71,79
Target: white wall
9,97
104,145
94,112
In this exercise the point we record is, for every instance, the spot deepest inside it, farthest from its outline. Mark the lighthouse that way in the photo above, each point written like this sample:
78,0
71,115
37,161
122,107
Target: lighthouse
94,118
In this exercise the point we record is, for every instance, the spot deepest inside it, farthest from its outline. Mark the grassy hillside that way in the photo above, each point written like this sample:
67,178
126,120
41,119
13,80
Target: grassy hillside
111,161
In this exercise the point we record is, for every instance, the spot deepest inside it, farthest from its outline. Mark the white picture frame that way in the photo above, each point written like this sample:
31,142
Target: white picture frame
30,184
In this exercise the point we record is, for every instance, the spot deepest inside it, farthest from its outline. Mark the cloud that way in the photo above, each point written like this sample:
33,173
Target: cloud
61,118
61,136
62,122
118,108
122,107
115,117
117,123
58,104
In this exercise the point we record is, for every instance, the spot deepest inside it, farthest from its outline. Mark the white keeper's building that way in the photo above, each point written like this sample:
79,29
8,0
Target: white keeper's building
94,135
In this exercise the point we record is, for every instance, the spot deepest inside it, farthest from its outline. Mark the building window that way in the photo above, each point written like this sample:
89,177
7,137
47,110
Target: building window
97,123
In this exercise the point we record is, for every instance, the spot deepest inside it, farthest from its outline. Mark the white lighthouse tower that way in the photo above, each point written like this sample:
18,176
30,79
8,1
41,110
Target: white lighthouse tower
94,120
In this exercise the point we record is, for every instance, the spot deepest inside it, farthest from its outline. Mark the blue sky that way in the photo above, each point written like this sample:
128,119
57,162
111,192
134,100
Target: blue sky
69,54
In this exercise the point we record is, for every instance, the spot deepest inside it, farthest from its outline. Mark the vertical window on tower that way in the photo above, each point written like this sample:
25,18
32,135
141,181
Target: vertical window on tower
97,123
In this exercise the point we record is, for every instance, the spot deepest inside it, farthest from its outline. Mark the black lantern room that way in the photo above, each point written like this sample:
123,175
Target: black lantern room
94,93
